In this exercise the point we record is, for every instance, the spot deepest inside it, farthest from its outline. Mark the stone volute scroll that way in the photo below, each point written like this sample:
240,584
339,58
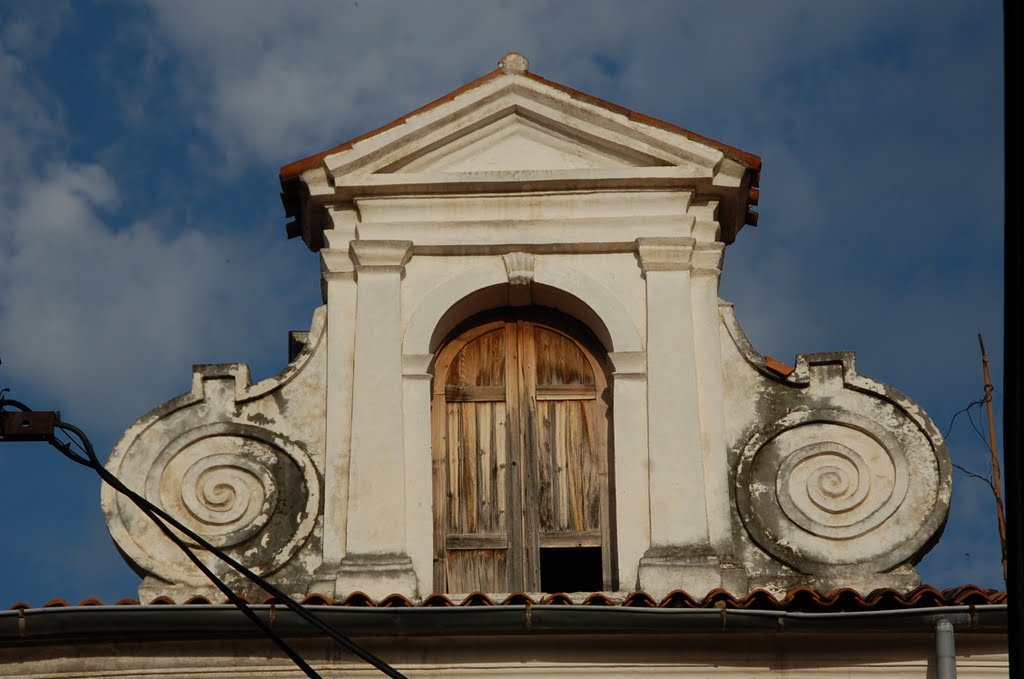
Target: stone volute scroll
236,463
848,485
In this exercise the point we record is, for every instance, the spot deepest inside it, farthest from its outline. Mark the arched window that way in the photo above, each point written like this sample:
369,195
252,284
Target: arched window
521,414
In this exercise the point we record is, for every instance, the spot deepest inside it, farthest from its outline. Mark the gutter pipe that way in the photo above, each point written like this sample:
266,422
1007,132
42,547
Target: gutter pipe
99,623
945,650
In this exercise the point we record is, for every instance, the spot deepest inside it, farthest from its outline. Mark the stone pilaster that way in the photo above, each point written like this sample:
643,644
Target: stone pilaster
339,287
629,384
680,553
376,561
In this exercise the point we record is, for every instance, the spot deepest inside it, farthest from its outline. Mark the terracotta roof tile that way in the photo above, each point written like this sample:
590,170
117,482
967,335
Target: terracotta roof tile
640,600
316,600
518,599
356,599
395,601
437,601
557,600
197,600
678,599
598,599
778,366
799,599
477,599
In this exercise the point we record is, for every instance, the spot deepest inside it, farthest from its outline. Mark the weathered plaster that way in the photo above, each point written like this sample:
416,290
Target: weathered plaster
515,193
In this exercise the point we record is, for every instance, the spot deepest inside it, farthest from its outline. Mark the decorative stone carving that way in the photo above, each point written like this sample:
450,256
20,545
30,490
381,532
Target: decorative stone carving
519,267
847,485
237,485
520,192
231,463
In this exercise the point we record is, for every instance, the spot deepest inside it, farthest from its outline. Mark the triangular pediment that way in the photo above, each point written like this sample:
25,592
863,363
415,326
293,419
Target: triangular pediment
513,124
517,142
511,131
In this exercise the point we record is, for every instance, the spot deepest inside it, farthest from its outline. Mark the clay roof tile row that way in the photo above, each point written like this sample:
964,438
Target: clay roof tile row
800,599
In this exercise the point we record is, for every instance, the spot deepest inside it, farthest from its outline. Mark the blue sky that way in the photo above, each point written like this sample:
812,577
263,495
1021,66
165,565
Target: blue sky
141,230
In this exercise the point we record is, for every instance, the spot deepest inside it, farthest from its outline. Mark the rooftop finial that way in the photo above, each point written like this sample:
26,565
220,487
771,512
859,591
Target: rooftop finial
514,62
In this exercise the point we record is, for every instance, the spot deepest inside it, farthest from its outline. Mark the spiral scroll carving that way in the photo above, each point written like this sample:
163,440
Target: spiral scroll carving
240,489
829,489
227,496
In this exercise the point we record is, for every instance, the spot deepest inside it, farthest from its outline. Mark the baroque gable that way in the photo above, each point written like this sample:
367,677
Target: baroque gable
523,379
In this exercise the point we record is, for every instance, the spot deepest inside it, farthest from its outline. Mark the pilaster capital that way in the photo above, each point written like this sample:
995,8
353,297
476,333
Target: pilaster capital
381,254
417,365
707,258
626,363
664,254
335,261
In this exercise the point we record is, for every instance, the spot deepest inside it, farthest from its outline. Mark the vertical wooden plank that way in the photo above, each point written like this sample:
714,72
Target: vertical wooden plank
514,446
454,499
471,570
439,474
499,475
530,446
484,414
469,460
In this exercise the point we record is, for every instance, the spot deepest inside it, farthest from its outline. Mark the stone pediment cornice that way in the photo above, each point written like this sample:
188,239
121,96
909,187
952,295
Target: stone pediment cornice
511,131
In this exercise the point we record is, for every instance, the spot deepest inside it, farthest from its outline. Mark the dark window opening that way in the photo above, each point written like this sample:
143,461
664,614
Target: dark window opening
570,569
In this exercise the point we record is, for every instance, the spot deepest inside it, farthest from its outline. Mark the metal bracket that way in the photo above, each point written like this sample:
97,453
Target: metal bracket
35,425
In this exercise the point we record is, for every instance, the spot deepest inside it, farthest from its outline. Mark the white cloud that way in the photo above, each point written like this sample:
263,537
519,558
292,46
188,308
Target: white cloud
107,321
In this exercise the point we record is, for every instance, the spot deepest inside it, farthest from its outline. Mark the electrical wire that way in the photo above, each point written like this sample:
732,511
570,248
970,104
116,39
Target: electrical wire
161,518
65,448
949,430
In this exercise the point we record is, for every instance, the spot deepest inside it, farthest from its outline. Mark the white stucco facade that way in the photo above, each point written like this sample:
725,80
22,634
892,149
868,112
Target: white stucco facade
516,193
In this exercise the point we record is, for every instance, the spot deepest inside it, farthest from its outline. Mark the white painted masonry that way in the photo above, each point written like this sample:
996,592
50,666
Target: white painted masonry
517,193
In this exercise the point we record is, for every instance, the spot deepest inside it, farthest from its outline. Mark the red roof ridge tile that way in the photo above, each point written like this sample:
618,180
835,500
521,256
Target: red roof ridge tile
777,366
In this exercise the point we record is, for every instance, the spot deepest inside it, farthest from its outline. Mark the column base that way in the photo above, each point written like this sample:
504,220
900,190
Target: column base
376,575
665,569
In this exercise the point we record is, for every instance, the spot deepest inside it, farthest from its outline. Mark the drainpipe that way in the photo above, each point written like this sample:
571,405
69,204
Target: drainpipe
945,650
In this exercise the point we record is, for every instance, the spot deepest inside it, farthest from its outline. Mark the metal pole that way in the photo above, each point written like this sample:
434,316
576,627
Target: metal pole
997,485
945,650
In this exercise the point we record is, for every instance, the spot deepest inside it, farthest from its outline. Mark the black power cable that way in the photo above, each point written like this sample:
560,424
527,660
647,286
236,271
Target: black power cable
162,518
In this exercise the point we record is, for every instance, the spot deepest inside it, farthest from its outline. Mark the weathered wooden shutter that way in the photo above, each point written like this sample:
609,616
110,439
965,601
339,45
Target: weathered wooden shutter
520,455
471,534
